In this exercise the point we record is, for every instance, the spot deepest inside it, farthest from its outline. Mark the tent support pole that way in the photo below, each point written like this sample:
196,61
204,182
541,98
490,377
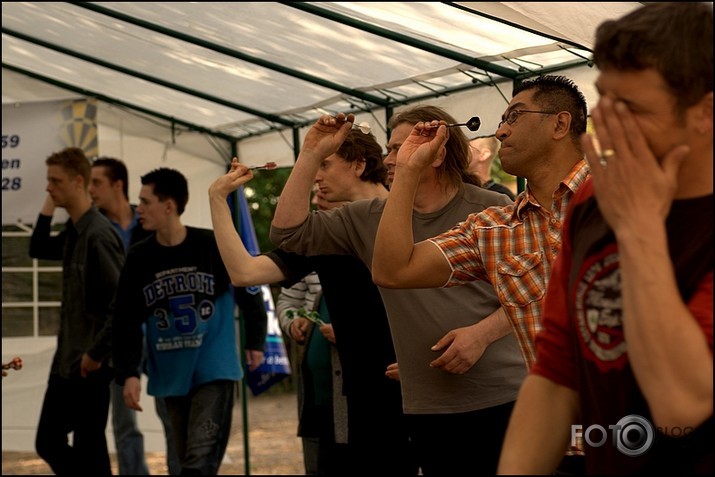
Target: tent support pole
242,342
296,144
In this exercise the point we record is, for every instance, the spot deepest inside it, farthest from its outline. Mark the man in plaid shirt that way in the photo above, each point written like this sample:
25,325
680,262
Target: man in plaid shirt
510,246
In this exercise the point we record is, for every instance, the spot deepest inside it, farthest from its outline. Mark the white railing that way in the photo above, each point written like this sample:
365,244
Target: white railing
35,269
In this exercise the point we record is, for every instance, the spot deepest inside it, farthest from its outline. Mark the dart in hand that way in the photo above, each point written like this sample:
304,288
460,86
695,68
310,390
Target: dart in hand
16,364
473,124
268,166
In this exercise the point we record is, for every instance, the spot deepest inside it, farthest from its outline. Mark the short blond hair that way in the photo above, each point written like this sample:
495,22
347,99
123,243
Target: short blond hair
73,161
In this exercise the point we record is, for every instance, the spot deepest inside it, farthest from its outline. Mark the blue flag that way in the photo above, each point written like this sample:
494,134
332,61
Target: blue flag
275,365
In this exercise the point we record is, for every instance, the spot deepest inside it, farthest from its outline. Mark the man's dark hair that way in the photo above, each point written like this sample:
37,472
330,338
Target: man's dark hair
115,170
559,93
73,161
168,184
456,163
364,147
675,39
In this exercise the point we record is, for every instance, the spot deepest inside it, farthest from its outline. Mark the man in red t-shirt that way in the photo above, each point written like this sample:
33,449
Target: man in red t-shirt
625,358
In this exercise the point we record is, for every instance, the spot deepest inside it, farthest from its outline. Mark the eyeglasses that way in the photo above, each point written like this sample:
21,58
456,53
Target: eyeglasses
514,114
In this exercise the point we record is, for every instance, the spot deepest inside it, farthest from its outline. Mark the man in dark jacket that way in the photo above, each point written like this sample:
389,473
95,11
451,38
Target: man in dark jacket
92,254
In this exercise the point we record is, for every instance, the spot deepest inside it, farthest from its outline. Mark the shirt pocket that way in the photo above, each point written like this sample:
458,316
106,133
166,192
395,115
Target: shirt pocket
522,279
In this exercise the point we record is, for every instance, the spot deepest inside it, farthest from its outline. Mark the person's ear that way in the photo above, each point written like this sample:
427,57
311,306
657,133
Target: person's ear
704,114
79,182
441,155
359,167
118,185
562,127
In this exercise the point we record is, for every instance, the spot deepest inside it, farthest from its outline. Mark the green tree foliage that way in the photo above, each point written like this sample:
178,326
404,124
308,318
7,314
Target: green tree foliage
499,175
262,194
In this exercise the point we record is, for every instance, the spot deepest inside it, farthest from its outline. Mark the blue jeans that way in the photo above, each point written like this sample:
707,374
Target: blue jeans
81,406
128,439
201,422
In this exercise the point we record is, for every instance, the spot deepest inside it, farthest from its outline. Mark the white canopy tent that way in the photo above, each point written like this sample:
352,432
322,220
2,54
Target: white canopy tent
181,82
187,85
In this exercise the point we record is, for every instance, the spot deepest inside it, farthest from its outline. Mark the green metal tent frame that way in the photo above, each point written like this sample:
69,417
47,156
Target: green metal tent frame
360,100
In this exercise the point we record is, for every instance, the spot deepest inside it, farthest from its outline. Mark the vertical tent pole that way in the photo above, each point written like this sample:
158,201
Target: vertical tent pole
242,332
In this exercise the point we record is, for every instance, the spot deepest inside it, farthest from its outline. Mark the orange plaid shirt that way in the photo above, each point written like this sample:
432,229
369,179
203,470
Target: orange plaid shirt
513,247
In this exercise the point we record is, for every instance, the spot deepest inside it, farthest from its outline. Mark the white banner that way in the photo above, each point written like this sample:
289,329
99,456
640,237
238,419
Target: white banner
30,133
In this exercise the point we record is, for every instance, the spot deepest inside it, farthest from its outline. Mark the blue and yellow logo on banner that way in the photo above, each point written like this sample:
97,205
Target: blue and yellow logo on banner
78,126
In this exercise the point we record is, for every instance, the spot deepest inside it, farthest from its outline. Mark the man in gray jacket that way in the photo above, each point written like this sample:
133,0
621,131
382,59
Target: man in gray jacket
92,254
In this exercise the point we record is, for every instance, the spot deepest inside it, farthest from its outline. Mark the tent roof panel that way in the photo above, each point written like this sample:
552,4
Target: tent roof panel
117,85
245,68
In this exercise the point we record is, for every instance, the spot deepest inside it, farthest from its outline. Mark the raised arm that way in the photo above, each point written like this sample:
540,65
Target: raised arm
243,268
42,243
397,261
323,140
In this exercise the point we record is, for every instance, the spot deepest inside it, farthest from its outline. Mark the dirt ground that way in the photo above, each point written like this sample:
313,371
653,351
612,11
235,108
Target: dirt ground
274,447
